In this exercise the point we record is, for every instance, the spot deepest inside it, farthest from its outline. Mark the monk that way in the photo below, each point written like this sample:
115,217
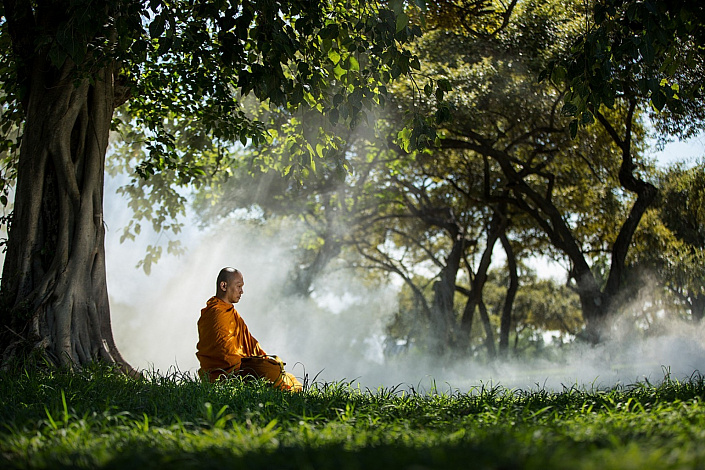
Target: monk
225,346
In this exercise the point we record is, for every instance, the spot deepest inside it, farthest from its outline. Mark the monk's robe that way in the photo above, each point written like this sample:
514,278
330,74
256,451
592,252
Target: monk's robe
224,339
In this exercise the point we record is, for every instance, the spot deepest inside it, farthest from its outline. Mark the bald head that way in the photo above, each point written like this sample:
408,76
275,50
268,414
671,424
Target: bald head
226,275
229,285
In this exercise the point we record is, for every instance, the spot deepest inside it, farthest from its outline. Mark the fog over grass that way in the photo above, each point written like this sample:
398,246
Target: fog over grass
338,335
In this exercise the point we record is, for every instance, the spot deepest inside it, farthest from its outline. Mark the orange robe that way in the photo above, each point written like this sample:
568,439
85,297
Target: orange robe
224,339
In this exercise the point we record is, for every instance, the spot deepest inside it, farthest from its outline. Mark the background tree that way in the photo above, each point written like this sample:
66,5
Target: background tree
672,244
682,209
640,56
560,183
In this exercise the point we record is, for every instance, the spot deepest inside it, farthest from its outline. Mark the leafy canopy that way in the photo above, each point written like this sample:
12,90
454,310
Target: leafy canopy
638,49
198,61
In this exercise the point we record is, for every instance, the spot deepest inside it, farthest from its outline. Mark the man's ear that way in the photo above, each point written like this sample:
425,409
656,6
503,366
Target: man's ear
223,285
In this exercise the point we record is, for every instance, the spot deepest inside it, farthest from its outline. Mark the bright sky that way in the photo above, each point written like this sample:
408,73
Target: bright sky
682,151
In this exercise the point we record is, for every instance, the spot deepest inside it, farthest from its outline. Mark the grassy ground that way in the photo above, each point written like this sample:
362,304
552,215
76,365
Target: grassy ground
99,419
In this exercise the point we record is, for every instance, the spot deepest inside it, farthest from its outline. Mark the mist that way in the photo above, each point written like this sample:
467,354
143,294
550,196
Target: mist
338,334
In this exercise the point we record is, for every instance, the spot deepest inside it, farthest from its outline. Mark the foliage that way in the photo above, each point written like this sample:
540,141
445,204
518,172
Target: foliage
682,203
352,69
647,49
100,419
186,72
673,240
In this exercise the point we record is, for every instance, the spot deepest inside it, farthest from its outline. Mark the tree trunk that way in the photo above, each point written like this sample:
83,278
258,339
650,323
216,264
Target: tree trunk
697,307
489,334
301,283
497,226
506,319
54,290
443,309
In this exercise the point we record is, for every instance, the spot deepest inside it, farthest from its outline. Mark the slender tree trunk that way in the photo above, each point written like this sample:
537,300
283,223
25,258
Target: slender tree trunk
697,307
54,290
506,319
497,225
443,308
489,333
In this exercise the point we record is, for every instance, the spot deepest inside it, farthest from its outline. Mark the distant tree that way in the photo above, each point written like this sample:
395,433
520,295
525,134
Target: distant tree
542,307
672,243
640,56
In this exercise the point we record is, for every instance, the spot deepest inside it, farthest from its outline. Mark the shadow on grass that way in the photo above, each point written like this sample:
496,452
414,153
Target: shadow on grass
336,457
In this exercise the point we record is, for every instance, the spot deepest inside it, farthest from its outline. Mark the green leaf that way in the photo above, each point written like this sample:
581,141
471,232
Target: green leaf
338,71
404,138
659,99
569,109
331,31
397,6
444,84
334,56
402,21
333,116
57,56
156,27
353,64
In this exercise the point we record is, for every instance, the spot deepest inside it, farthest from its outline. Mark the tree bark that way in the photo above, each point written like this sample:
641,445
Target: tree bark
489,333
497,226
697,307
54,293
444,293
506,319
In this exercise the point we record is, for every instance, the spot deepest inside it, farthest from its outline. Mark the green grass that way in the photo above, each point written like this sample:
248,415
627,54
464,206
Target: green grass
97,418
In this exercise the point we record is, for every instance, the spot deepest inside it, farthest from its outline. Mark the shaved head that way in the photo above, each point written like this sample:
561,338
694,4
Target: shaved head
226,275
229,284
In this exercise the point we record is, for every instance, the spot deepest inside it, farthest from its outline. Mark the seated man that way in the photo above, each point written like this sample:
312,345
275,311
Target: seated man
225,345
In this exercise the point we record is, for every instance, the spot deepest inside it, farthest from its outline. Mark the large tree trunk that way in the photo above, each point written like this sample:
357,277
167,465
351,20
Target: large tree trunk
54,290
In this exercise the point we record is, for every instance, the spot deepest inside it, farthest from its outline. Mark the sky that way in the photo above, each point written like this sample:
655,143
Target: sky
340,334
685,151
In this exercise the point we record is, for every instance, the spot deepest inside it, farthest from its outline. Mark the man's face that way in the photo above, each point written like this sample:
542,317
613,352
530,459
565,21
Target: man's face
233,288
